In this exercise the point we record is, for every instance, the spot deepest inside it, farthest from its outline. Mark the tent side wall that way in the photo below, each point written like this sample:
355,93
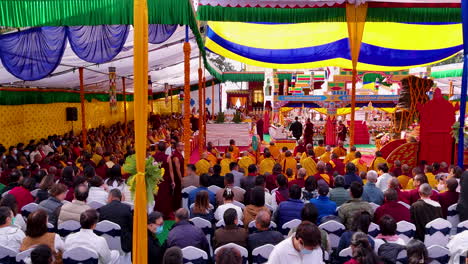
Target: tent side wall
21,123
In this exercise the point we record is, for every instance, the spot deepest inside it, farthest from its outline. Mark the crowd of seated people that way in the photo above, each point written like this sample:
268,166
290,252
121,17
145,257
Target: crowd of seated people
249,199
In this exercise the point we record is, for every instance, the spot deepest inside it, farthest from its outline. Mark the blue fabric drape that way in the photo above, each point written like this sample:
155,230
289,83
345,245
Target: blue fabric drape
97,44
461,131
158,33
33,54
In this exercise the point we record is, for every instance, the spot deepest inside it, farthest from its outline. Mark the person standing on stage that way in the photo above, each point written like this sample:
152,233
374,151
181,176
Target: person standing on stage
178,171
296,129
342,131
163,199
309,132
260,128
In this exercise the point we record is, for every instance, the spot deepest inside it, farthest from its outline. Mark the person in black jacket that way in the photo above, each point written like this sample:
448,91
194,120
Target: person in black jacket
216,178
155,227
121,214
296,129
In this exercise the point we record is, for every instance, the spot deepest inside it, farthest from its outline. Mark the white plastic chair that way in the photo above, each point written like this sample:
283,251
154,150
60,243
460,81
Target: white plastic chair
7,255
111,232
373,230
462,226
23,256
185,196
290,225
68,227
192,253
241,205
214,189
453,218
132,206
337,208
51,227
374,206
29,208
440,236
221,223
5,193
242,250
346,254
261,254
205,226
95,204
406,230
402,257
34,192
438,254
404,204
334,230
80,254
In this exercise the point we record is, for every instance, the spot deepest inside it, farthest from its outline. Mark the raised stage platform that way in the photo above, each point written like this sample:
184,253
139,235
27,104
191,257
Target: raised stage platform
220,134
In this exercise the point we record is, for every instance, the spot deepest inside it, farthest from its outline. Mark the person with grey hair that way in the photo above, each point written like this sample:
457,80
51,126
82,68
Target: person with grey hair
424,210
263,235
372,194
184,233
121,214
339,194
300,179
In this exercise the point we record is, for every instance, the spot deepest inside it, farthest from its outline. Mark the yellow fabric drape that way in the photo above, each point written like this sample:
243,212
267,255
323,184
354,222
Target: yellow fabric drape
356,19
339,111
140,71
389,110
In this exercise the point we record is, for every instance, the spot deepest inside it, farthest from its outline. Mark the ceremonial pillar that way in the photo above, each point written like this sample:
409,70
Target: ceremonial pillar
150,94
140,105
200,106
186,121
83,114
356,19
203,139
172,97
461,130
212,101
125,104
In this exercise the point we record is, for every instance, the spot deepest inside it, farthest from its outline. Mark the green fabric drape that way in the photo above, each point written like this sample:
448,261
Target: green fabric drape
447,73
329,14
278,15
34,97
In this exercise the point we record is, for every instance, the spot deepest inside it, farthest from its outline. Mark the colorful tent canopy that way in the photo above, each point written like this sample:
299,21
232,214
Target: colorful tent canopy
385,46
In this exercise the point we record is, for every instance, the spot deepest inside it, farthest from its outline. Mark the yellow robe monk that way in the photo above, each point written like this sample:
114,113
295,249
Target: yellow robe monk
289,163
431,180
225,166
340,151
244,163
253,158
212,159
281,157
260,159
235,153
361,166
304,156
319,150
409,185
96,158
349,157
403,180
310,166
267,165
202,166
275,152
376,162
325,157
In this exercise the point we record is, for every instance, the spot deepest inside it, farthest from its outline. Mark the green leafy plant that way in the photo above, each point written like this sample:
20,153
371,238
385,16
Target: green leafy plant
237,118
220,118
153,176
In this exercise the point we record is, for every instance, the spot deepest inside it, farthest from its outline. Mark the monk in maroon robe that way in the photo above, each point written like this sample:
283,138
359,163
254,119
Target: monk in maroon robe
163,200
309,133
178,170
260,128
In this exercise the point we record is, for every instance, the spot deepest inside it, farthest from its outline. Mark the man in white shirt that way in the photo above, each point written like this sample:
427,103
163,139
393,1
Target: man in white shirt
10,236
97,192
86,238
301,248
384,178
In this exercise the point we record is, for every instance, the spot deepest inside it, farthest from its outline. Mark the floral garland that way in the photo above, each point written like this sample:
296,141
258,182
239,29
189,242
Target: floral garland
153,176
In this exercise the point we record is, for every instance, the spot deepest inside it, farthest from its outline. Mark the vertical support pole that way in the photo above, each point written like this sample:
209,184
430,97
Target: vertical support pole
202,136
200,106
172,97
83,114
356,19
450,89
140,105
186,121
212,100
461,131
125,103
